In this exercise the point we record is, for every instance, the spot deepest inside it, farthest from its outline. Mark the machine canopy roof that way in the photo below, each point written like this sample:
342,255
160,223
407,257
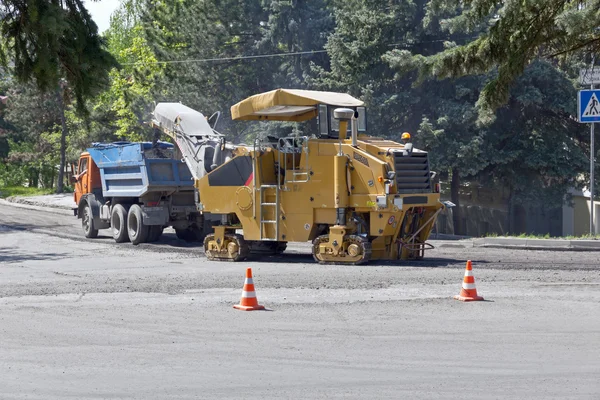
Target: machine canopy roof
289,105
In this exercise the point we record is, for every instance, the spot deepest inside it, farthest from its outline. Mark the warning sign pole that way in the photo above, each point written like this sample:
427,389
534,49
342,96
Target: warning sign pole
588,104
592,231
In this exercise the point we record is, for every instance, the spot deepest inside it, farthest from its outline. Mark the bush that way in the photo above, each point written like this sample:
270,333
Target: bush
9,191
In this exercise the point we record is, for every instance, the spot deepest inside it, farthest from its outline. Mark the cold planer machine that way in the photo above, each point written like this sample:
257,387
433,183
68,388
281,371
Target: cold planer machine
355,198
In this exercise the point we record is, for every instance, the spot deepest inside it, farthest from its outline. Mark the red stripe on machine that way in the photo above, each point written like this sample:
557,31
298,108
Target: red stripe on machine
249,179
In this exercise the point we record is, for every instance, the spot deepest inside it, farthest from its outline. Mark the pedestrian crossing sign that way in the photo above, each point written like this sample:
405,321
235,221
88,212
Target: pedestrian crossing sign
588,106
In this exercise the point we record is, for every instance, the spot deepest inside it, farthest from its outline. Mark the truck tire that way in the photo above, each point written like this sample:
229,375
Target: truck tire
137,231
154,233
87,222
118,223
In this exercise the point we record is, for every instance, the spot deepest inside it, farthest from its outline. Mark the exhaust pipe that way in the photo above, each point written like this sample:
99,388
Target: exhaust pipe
354,128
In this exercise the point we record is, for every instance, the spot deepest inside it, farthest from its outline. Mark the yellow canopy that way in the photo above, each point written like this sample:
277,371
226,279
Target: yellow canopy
289,105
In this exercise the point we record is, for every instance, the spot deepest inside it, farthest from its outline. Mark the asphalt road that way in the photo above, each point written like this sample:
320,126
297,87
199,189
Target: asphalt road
91,319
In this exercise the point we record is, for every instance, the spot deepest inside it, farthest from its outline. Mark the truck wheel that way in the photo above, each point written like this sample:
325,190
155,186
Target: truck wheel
87,223
138,232
118,222
154,233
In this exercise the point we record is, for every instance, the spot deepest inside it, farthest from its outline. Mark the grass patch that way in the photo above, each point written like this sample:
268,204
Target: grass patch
532,236
586,236
23,191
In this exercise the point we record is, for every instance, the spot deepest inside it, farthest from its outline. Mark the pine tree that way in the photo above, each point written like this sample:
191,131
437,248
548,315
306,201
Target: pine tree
374,40
46,41
506,36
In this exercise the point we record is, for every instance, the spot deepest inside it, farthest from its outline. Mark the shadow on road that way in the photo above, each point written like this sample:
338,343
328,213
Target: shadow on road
298,258
9,255
11,227
167,239
16,227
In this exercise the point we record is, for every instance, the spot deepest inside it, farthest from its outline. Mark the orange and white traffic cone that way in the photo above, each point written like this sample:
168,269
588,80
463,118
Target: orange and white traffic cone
468,291
249,301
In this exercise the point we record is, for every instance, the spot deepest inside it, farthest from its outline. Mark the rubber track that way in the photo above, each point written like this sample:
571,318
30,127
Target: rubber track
366,247
242,244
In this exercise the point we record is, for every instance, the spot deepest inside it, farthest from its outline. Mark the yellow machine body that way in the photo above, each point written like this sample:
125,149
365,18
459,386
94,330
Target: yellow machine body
355,199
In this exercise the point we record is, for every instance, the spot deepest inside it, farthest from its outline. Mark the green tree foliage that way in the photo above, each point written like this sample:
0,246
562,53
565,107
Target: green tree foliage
296,26
183,31
49,40
293,27
5,127
33,138
122,111
373,41
506,36
203,43
534,147
365,33
130,96
541,144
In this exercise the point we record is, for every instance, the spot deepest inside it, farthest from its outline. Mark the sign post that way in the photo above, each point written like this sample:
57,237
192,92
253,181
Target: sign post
589,112
592,152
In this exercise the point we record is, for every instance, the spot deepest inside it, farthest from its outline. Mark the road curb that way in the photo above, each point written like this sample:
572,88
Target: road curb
538,244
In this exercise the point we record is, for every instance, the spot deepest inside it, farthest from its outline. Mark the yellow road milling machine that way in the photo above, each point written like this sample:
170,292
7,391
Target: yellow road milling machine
356,198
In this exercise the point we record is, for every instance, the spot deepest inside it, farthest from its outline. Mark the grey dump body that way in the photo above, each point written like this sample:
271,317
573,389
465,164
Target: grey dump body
136,169
150,175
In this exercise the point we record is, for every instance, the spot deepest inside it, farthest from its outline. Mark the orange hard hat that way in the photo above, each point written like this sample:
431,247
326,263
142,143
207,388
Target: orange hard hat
406,136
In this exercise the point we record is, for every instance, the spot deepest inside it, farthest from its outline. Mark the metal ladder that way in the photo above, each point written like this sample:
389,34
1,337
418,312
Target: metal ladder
264,223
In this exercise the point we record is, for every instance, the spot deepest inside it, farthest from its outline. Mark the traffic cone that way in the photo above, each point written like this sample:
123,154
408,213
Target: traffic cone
468,291
249,301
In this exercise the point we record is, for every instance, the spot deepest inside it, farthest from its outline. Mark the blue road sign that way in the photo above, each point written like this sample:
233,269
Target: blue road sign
588,106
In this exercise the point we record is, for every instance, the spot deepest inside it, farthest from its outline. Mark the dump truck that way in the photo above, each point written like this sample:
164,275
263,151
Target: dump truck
354,197
136,190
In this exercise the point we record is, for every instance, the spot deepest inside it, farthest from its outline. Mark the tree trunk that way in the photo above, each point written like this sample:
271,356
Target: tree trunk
35,178
63,140
510,220
454,197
